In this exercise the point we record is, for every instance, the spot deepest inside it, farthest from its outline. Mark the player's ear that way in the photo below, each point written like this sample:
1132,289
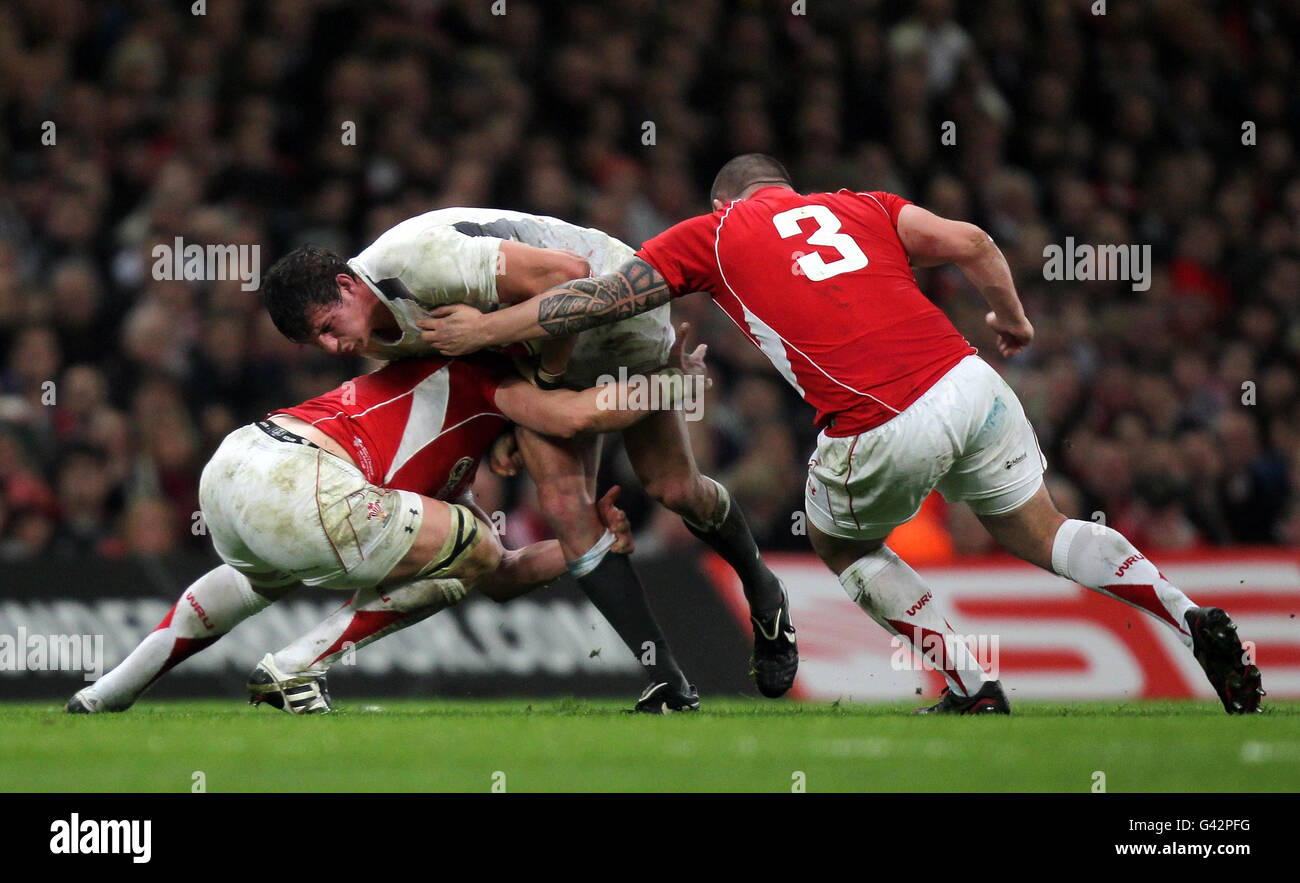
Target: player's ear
717,205
351,288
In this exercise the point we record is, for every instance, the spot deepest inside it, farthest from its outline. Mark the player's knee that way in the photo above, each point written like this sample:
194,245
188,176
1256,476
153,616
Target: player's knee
1029,531
682,495
838,553
469,549
485,557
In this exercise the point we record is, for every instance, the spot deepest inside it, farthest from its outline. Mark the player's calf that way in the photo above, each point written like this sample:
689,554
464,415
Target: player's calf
209,608
1104,560
366,617
561,471
724,530
895,596
660,452
721,525
1092,555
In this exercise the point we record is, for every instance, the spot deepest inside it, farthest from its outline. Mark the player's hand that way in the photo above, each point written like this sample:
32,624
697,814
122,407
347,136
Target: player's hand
504,457
1013,334
573,254
615,519
690,362
454,330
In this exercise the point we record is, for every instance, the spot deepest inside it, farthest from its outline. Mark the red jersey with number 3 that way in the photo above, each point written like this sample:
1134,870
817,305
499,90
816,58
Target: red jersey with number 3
418,425
822,285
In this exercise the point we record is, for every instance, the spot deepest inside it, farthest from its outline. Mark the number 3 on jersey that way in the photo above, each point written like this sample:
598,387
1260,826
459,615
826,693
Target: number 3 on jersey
816,269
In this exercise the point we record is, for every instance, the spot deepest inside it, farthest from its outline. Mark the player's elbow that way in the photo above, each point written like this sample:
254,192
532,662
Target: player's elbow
570,419
971,244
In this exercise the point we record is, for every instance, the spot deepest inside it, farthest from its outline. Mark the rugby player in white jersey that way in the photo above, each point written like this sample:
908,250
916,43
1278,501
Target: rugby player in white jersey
364,488
371,305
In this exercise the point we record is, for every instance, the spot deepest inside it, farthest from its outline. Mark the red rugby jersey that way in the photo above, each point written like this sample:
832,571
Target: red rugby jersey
417,424
822,285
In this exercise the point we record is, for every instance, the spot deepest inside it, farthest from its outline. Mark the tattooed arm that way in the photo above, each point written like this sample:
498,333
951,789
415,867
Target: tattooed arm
585,303
566,309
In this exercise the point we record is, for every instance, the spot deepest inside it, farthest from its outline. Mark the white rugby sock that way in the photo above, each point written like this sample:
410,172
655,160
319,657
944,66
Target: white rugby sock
213,604
895,596
367,616
1100,558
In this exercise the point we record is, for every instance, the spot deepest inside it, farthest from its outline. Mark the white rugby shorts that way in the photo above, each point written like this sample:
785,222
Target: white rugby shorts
967,436
279,512
640,344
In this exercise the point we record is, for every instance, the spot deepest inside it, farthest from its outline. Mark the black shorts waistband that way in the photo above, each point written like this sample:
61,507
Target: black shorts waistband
279,433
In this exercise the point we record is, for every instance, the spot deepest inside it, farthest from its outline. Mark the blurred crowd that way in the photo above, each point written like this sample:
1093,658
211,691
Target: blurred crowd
1173,413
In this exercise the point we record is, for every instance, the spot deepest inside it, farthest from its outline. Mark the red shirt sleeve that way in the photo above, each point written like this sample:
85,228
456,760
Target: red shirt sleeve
892,203
683,254
483,372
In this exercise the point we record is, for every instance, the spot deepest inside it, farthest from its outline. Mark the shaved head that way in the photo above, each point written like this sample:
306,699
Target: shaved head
743,172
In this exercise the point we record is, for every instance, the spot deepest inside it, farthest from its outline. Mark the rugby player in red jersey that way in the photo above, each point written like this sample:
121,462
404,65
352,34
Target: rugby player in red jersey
822,284
366,489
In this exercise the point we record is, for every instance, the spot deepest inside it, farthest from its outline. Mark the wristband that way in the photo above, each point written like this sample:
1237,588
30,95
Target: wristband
546,380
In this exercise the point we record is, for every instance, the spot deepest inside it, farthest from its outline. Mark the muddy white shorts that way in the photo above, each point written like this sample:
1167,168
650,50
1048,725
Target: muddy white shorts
280,510
967,436
640,344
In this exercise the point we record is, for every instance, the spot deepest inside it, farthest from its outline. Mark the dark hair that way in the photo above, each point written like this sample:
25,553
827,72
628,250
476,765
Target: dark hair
746,169
298,284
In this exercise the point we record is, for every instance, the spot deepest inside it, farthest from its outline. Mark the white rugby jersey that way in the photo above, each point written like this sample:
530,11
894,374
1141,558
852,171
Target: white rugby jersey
451,256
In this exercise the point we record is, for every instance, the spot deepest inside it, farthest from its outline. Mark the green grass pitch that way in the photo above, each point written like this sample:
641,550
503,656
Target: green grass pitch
567,745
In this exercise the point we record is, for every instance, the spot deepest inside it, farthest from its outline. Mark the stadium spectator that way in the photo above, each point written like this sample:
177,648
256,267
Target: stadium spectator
1173,410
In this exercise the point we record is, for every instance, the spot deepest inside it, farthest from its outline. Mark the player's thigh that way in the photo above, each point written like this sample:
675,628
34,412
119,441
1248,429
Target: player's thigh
999,466
659,449
562,462
451,543
564,472
591,463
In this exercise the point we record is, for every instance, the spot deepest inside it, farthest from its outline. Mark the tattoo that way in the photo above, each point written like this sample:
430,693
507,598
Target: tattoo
585,303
